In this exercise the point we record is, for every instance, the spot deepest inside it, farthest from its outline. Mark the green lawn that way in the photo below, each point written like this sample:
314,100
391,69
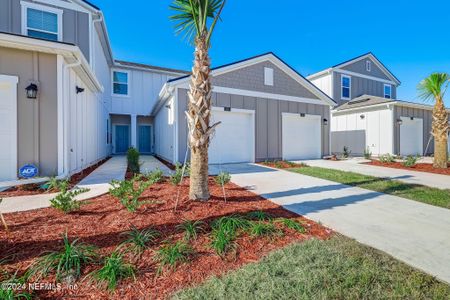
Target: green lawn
419,193
338,268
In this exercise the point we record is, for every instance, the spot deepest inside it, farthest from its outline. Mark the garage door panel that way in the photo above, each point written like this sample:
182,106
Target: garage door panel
301,137
233,141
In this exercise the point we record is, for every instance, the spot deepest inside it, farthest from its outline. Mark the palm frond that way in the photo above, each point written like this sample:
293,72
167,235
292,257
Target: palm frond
434,86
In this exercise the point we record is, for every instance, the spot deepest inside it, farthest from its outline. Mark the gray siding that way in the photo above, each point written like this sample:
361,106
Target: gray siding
75,24
360,68
426,115
252,78
267,117
360,86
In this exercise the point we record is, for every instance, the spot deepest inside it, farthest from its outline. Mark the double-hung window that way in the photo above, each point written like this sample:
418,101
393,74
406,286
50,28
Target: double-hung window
41,22
121,83
387,91
346,85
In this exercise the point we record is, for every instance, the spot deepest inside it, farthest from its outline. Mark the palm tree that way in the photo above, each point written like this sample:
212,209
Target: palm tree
434,87
197,20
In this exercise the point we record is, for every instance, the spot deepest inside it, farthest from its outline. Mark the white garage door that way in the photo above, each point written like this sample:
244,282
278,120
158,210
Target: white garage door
8,127
411,136
301,136
234,139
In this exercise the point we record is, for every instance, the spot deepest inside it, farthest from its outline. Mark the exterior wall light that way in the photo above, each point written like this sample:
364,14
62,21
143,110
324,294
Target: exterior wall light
168,106
302,115
79,89
362,117
32,90
325,122
399,122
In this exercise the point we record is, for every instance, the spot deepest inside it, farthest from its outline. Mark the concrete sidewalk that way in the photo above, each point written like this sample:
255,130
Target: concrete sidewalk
407,176
415,233
97,182
150,163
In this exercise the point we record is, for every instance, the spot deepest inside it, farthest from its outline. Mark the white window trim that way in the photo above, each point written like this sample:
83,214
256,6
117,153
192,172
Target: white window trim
268,76
58,12
128,83
350,87
368,66
390,91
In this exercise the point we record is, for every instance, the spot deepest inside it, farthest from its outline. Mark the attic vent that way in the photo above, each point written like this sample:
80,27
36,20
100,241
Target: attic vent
358,101
368,66
268,76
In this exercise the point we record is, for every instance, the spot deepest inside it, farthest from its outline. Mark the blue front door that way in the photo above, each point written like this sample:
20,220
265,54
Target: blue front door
122,138
145,141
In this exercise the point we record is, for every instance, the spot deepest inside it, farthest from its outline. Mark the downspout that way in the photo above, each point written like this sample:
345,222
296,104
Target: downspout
65,102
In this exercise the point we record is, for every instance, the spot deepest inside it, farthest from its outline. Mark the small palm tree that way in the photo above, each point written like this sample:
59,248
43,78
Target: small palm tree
434,87
197,20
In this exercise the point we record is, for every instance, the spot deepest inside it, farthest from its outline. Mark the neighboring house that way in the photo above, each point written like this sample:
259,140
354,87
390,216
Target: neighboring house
369,118
267,111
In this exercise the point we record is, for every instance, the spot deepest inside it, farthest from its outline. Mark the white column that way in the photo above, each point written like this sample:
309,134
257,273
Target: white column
134,131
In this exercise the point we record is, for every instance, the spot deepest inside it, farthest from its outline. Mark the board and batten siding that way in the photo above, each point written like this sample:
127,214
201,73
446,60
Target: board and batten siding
324,83
75,24
267,118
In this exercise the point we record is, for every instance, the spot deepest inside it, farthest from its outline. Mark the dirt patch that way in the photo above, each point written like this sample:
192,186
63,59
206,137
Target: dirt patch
282,164
102,220
35,189
421,167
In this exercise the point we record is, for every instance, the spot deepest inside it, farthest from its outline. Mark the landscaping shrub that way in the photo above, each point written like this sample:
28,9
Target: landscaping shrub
176,177
65,200
387,158
113,271
129,191
292,224
156,176
55,184
138,240
9,293
261,228
230,224
133,160
191,229
222,178
171,254
367,153
225,231
347,152
66,263
410,161
259,215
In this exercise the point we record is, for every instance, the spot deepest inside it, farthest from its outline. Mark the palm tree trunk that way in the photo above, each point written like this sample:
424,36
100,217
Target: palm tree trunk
198,115
440,133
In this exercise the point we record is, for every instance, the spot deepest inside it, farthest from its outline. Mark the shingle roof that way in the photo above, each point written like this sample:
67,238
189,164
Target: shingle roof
363,101
150,67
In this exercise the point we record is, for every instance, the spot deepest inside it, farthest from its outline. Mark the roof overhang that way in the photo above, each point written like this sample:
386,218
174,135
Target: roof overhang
71,53
388,104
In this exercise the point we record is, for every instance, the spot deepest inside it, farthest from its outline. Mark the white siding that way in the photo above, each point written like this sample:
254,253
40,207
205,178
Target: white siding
324,84
164,128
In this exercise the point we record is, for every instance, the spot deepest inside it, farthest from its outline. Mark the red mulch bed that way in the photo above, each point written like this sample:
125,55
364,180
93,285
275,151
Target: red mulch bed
428,168
281,164
101,221
35,189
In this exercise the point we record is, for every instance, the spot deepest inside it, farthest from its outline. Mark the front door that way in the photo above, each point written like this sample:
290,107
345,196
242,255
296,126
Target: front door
122,138
145,139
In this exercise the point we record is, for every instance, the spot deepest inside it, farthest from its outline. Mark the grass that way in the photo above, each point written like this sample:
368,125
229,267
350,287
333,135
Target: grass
172,254
113,271
338,268
260,229
433,196
191,229
138,240
291,224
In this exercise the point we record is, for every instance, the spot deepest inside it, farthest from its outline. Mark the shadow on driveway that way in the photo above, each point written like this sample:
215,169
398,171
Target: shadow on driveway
241,168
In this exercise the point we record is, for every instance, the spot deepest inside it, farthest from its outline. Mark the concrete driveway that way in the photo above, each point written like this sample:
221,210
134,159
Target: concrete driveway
416,233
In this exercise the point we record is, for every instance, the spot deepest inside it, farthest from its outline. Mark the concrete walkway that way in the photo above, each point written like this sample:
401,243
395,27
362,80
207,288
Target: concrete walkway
413,232
150,163
407,176
97,182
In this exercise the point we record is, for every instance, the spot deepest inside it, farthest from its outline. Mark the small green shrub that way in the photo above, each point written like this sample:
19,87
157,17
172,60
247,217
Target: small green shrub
346,153
55,184
367,153
129,191
66,263
260,228
191,229
290,163
222,178
65,200
138,240
156,176
278,164
8,293
114,270
387,158
259,215
176,177
171,254
292,224
230,224
222,241
133,160
410,161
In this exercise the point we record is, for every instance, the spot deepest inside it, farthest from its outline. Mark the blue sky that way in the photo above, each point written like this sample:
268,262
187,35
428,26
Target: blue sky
412,38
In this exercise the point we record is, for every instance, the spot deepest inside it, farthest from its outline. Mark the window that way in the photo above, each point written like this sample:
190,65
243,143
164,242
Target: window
41,22
346,84
387,91
268,76
368,66
120,83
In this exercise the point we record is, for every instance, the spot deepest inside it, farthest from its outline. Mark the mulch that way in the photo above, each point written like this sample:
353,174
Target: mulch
282,164
35,189
421,167
101,221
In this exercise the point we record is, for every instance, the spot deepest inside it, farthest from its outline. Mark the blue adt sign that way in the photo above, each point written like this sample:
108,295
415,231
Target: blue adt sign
28,171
